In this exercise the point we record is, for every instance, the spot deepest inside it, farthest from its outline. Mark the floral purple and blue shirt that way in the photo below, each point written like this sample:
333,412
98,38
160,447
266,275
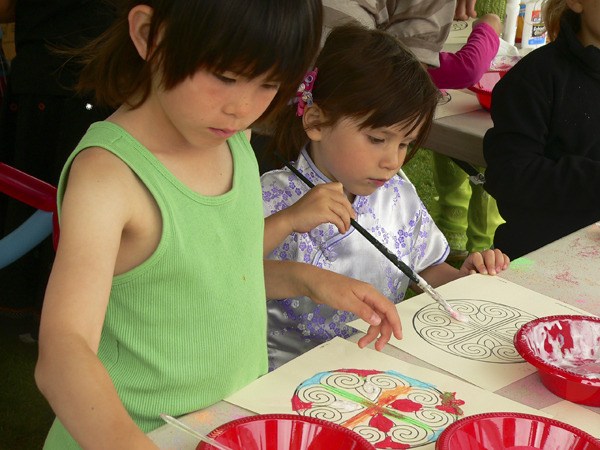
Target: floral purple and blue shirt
394,214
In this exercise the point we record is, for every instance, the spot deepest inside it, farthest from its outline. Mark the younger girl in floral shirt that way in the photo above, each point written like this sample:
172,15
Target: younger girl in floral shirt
366,102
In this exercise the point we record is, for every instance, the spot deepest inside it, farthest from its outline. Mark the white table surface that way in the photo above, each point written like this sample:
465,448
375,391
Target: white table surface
567,270
460,136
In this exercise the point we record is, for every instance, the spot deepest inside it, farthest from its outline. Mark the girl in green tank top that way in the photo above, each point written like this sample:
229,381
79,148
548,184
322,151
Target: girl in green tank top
156,298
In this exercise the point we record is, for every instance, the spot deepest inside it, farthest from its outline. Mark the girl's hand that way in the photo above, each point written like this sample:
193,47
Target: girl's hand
362,299
465,9
324,203
286,279
488,262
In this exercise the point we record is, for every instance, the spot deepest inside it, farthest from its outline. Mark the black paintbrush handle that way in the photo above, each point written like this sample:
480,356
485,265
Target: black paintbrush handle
378,245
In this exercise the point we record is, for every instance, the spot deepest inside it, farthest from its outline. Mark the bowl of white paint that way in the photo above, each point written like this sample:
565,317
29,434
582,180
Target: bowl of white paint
565,350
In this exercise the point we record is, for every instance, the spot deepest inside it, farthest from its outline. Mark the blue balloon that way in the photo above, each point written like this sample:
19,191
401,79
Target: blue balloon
29,234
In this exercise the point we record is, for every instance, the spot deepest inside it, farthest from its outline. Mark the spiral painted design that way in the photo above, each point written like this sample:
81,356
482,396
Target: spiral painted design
426,397
434,417
316,395
487,337
330,414
384,381
382,407
343,380
371,434
410,435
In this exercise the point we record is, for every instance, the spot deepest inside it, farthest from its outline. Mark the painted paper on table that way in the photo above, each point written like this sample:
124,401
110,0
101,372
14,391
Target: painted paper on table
482,350
460,31
456,102
391,403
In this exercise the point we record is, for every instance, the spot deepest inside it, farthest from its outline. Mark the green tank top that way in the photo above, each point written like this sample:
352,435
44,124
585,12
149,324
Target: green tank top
187,327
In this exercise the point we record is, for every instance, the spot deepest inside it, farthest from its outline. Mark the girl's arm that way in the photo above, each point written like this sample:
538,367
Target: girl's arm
466,67
287,279
325,203
94,216
489,262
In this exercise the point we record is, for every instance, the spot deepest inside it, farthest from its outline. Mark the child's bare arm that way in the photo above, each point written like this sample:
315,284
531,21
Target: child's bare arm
286,279
492,20
94,215
322,204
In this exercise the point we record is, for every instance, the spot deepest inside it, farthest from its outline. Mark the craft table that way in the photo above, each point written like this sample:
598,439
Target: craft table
566,270
460,136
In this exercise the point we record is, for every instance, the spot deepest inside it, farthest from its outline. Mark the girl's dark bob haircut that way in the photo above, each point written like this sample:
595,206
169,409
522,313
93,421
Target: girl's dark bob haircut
368,76
248,37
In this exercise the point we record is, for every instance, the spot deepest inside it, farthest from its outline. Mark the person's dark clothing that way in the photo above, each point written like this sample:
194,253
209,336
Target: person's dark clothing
543,152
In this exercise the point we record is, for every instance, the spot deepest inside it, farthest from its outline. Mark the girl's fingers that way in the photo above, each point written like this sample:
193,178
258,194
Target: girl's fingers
342,216
385,333
370,336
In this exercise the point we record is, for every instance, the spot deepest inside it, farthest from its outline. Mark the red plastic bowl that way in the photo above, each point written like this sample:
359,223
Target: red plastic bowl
483,96
483,89
513,431
285,432
565,350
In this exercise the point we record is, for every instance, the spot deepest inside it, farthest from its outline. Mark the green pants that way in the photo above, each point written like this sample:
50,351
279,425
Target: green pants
466,214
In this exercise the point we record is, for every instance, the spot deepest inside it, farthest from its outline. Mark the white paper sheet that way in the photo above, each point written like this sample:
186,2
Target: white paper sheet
460,31
482,350
273,393
459,103
578,416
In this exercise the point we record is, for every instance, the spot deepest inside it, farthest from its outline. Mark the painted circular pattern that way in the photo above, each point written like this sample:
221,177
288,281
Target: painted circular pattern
487,336
458,25
390,410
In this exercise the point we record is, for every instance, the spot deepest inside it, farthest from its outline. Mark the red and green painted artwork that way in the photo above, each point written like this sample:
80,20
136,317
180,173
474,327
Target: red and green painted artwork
389,409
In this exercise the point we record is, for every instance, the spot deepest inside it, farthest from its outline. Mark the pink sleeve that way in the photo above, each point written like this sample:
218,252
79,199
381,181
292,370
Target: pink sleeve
466,67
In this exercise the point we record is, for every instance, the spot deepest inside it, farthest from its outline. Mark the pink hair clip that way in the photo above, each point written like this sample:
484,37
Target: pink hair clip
304,96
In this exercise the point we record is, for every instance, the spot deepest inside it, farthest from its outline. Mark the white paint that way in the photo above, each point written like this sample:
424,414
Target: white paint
583,359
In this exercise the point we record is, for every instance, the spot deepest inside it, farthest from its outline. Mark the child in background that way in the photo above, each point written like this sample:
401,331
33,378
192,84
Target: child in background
465,208
466,216
156,301
352,138
543,152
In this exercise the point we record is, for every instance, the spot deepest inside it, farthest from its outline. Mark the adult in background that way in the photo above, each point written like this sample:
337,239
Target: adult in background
465,213
543,152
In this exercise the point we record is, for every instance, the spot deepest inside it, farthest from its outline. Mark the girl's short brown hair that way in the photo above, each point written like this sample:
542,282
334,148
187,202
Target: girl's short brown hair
249,37
367,75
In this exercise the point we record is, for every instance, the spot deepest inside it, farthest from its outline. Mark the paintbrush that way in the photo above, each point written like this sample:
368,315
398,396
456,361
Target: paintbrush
406,270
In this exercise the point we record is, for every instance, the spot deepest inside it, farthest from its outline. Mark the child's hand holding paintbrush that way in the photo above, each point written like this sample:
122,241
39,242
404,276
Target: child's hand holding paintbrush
328,203
348,130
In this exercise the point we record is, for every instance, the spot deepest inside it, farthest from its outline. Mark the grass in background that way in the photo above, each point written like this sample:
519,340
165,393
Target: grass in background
25,416
420,171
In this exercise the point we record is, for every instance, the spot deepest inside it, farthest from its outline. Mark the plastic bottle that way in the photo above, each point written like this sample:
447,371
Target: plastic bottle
520,20
510,21
534,30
